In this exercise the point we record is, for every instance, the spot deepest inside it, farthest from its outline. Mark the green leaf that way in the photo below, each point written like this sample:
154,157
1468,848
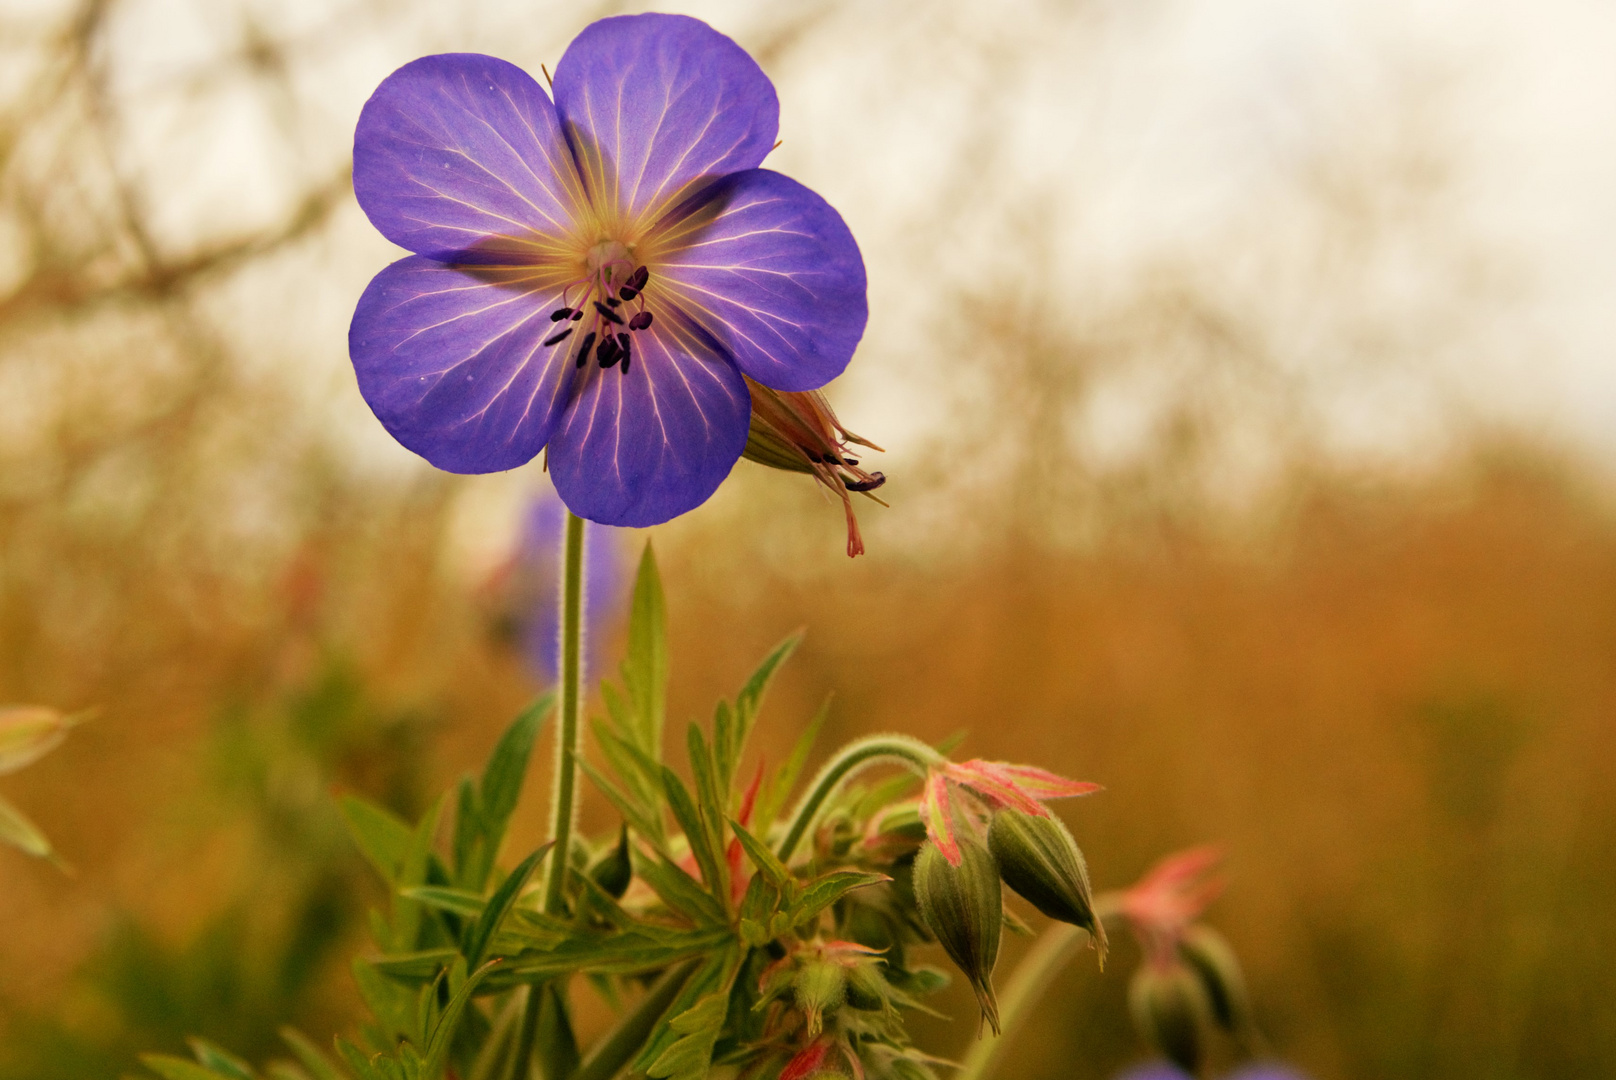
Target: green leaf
437,1056
219,1060
507,769
468,836
494,912
762,858
357,1061
691,1055
645,671
413,871
318,1065
779,789
391,1004
176,1068
689,818
648,827
382,836
641,776
709,791
826,890
557,1043
758,907
750,700
715,975
461,902
419,966
619,954
21,833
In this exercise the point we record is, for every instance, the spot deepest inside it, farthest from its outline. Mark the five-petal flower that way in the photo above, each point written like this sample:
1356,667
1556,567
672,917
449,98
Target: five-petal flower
596,277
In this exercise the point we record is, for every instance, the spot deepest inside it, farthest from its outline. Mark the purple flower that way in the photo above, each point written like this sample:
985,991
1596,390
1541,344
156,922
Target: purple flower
1265,1070
599,277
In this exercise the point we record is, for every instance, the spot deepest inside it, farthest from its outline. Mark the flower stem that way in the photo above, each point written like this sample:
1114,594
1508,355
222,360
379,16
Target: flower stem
853,758
564,782
1033,976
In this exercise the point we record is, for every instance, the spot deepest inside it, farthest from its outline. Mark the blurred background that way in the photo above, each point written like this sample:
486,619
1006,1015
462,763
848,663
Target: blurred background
1248,375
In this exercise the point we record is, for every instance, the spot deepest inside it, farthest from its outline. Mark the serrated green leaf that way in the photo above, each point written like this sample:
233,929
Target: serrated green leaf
826,890
493,913
20,833
382,836
176,1068
618,954
645,670
640,777
689,819
219,1060
785,778
437,1056
318,1065
691,1055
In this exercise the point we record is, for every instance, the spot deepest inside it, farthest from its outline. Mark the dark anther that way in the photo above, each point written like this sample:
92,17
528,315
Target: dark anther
608,313
576,315
583,350
850,461
623,342
627,293
607,353
560,313
640,321
637,280
625,363
876,480
612,301
559,337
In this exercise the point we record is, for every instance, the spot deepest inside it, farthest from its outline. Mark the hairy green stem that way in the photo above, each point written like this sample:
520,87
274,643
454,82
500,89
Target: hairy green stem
619,1045
853,758
564,782
1033,976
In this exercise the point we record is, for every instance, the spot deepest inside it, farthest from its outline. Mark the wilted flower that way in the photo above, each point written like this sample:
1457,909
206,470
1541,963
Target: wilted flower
1002,785
799,432
960,901
596,277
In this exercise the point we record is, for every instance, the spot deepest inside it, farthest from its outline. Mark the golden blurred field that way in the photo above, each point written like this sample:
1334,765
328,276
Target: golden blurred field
1132,539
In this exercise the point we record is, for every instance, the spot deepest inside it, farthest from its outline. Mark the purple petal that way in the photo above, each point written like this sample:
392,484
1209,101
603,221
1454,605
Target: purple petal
452,361
460,157
656,106
641,448
1154,1070
771,271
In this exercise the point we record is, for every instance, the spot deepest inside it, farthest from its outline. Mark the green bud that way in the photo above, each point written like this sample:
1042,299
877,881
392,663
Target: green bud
614,871
964,910
821,987
1040,861
1214,963
1170,1007
866,989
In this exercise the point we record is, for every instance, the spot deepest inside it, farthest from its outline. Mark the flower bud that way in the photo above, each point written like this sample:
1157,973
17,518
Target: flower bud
1214,963
821,987
1039,860
1171,1010
614,870
964,910
866,989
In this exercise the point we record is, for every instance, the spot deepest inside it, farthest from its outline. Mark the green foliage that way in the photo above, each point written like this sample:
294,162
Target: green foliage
748,956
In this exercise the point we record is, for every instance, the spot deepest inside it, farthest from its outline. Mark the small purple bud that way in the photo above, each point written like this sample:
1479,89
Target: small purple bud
1171,1010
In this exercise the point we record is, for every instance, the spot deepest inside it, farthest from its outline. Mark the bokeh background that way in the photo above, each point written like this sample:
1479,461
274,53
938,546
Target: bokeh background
1248,375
